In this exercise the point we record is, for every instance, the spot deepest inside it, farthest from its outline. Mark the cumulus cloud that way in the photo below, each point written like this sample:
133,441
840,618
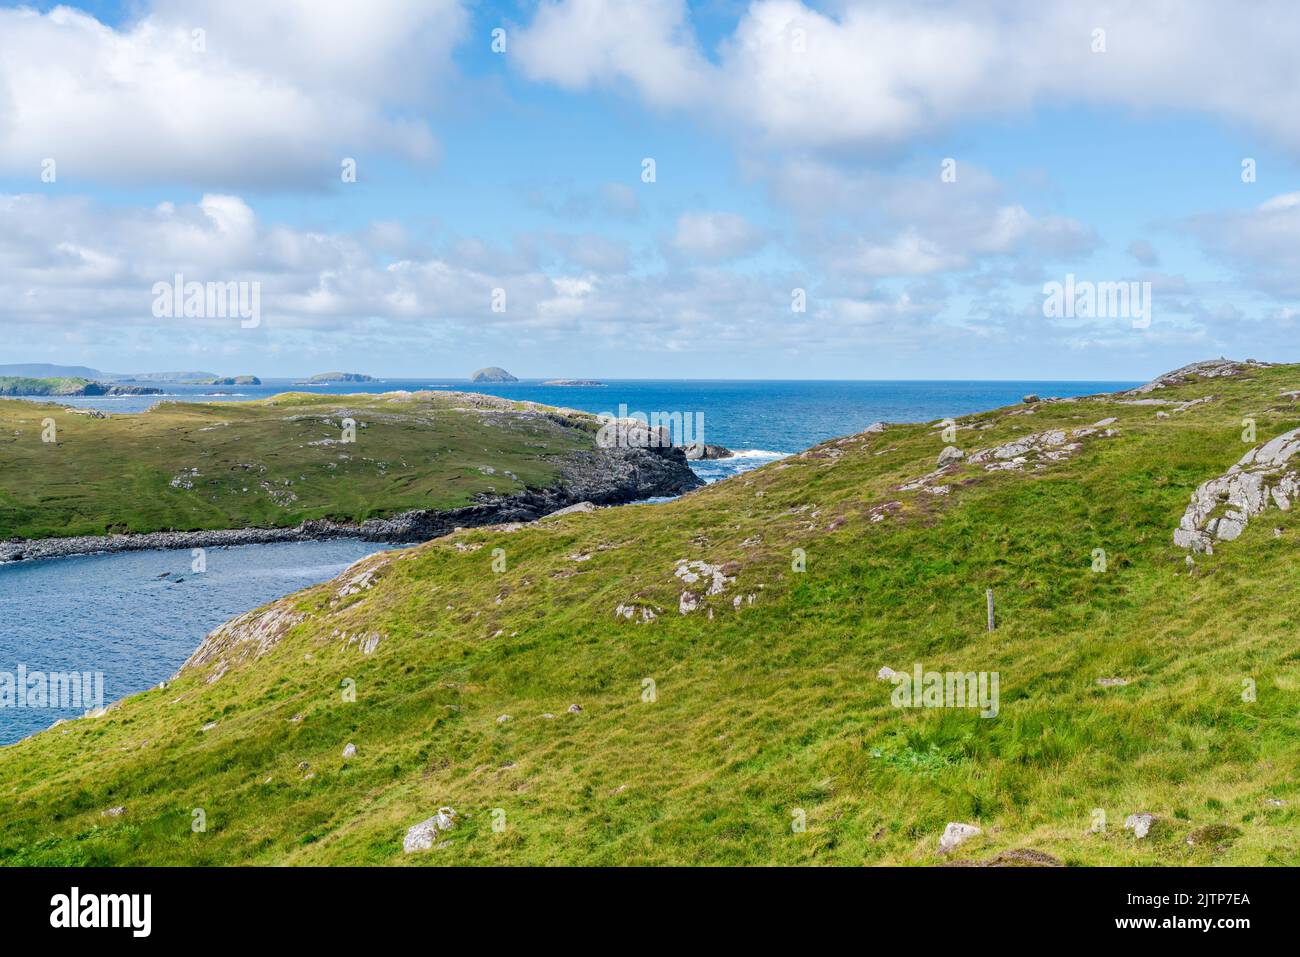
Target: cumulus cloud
579,43
877,73
221,94
880,224
712,237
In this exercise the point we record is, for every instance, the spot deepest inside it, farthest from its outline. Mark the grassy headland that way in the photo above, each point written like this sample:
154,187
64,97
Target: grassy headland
269,463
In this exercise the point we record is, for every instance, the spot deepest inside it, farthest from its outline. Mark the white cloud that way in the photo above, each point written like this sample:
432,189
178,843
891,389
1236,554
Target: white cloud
877,74
278,95
711,237
579,43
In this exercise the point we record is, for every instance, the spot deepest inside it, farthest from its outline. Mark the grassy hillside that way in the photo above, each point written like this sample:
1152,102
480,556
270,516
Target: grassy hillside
53,385
272,463
765,701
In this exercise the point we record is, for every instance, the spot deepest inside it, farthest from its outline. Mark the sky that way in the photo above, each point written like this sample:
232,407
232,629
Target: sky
590,188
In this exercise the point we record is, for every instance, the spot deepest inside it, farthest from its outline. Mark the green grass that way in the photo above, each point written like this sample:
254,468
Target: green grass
257,464
54,385
759,711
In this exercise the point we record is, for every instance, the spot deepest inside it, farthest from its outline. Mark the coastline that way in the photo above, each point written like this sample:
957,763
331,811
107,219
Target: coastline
607,477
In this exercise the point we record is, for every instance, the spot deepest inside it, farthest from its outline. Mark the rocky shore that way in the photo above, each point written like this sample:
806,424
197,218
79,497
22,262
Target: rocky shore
601,477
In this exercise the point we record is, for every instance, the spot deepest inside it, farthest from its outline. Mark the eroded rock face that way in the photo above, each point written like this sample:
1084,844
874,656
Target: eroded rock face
1221,508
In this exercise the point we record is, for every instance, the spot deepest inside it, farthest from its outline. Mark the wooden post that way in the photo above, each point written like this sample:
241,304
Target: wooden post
988,599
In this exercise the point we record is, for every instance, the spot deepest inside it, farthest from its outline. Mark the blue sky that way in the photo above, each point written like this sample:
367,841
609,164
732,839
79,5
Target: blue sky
796,147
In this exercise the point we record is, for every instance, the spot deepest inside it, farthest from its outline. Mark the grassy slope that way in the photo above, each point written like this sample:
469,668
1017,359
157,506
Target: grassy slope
114,474
760,710
54,385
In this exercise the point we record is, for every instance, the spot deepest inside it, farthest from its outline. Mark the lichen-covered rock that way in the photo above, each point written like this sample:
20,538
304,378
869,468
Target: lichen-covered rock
956,833
949,455
420,837
1140,824
1221,507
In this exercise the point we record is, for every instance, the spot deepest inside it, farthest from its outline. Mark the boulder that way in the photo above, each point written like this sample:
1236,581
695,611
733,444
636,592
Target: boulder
349,750
1140,824
574,509
956,833
950,454
420,837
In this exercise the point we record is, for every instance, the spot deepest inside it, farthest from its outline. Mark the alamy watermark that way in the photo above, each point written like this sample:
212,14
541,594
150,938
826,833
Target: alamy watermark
637,430
946,689
51,689
1098,300
209,300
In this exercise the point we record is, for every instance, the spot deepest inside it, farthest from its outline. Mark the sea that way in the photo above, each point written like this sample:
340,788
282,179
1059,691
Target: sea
129,620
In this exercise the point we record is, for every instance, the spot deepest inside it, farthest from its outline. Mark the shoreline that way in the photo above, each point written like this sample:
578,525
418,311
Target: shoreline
609,477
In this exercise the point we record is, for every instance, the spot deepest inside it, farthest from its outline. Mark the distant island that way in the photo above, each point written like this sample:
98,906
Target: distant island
585,383
325,378
45,370
492,374
174,377
67,385
227,380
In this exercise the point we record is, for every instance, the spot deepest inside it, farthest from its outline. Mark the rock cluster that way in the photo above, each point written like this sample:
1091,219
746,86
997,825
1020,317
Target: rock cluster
1262,475
1209,369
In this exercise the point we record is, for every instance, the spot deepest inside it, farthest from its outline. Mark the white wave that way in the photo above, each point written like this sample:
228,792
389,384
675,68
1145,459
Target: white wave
756,454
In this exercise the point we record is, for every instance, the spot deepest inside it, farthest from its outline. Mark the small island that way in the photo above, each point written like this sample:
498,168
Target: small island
328,378
67,385
228,380
576,383
492,374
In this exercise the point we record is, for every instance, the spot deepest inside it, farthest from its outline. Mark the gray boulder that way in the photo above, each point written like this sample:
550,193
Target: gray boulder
956,833
950,454
421,837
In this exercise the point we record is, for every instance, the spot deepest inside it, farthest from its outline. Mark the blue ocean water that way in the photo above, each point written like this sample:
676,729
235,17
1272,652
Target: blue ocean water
115,614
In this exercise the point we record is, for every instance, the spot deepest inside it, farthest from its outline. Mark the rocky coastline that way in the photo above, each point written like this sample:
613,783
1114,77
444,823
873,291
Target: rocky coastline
600,477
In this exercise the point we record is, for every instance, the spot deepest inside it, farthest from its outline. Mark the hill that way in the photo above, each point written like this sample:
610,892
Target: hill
65,385
699,681
44,370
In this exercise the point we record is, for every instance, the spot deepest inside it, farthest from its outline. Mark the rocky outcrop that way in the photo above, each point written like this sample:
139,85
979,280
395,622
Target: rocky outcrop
1209,369
1221,508
700,452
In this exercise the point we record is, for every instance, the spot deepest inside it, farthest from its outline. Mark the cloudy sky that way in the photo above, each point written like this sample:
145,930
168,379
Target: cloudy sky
918,171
